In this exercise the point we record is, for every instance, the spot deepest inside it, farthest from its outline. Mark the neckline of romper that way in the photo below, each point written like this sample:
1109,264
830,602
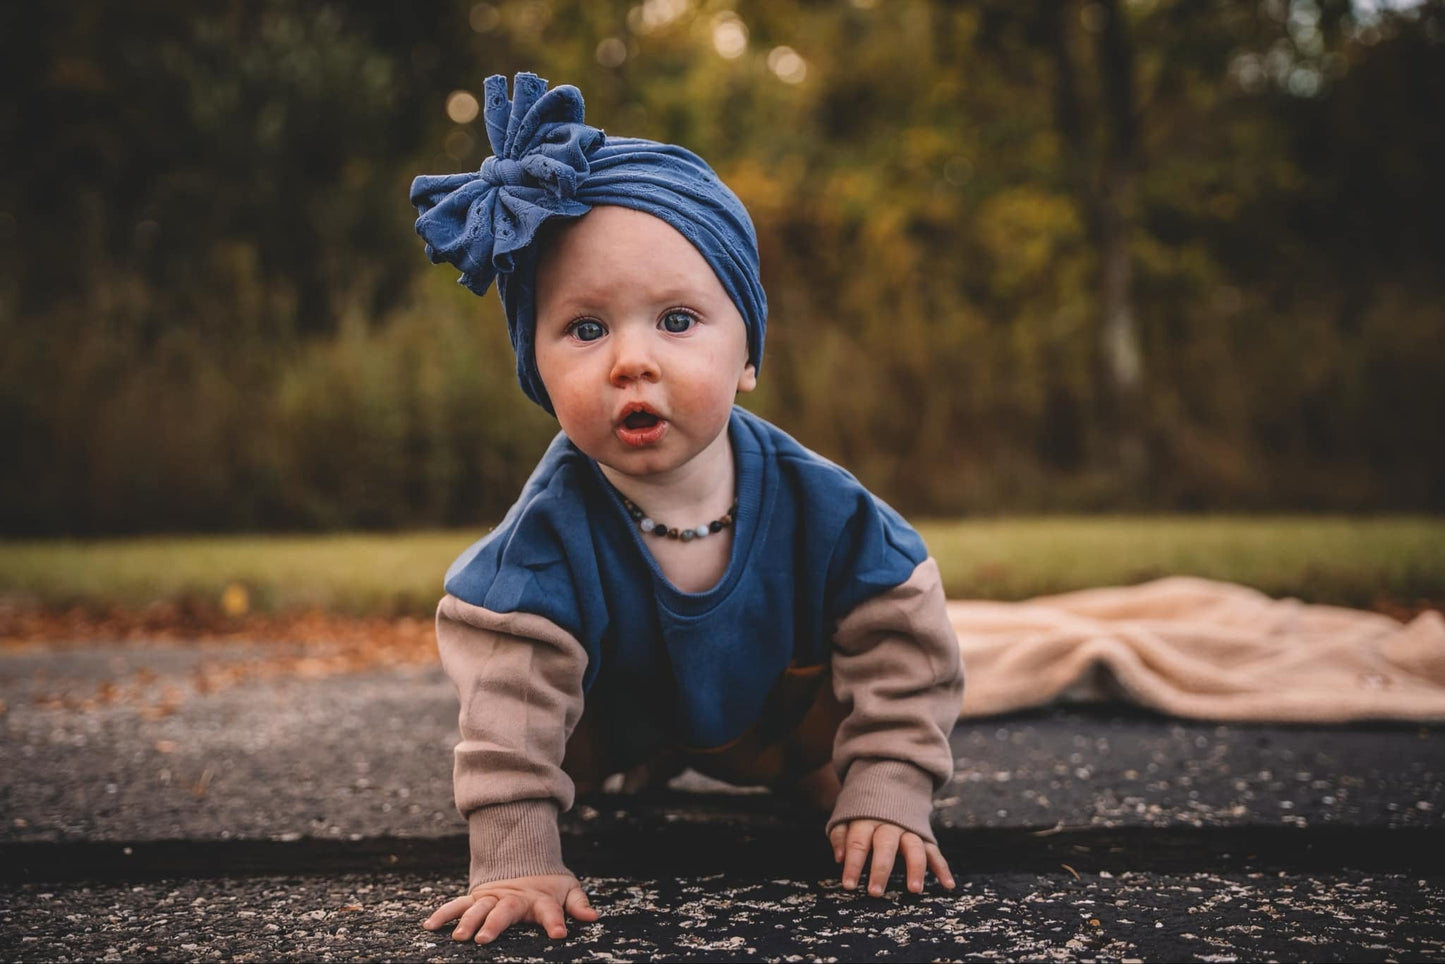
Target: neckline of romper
748,529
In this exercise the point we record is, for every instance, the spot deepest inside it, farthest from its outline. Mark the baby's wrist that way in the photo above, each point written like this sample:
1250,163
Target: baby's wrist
890,790
516,839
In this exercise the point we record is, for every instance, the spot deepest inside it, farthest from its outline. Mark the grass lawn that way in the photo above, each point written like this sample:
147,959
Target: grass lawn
1355,561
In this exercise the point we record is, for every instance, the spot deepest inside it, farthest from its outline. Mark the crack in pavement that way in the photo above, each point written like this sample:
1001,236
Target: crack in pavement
657,851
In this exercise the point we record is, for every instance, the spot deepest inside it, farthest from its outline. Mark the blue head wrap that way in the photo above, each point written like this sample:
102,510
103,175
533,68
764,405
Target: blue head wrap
548,164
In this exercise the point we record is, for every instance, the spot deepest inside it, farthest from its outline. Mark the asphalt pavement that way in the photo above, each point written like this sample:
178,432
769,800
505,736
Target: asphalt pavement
158,807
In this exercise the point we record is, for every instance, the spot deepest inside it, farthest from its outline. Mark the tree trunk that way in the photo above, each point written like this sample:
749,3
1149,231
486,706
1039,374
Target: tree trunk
1123,361
1101,175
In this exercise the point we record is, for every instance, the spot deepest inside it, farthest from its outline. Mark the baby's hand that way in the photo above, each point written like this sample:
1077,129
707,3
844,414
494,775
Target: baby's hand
853,839
493,907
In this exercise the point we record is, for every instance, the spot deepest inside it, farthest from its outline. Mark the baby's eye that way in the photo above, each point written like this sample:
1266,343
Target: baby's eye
677,322
586,330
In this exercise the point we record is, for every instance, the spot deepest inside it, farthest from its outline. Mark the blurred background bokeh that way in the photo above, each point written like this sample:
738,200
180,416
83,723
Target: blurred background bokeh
1022,255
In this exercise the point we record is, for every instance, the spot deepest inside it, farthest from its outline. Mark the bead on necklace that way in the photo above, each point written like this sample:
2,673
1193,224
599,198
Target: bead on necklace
651,526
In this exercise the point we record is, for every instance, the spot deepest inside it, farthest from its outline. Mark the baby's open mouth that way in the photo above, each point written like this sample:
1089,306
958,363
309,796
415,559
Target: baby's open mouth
640,428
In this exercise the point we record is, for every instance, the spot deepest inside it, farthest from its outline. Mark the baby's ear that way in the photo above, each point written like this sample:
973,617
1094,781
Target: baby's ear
748,380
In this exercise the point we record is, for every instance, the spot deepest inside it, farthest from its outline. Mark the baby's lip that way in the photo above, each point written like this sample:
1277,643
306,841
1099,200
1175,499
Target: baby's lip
639,425
638,412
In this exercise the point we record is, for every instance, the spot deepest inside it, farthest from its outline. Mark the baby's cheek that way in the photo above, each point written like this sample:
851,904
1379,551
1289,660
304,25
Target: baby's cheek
707,397
581,413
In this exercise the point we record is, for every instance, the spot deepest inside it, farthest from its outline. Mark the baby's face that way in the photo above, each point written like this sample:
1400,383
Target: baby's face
639,346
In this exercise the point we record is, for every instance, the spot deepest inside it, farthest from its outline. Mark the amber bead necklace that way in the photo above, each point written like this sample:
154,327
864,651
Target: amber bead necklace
650,526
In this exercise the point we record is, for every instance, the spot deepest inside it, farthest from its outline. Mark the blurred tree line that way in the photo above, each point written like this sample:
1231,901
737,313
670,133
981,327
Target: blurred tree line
1021,254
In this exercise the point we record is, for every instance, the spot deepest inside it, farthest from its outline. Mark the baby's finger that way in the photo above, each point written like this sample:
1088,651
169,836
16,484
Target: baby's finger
836,836
548,913
473,918
449,911
855,850
507,912
885,850
938,865
915,861
578,906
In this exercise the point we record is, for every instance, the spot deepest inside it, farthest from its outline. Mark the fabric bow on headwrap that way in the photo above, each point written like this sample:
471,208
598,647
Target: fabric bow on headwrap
548,164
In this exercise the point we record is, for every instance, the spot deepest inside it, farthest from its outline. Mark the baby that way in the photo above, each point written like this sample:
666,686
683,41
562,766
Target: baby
680,583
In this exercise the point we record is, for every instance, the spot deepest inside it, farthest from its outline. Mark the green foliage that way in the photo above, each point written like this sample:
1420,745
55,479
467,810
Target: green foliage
215,314
417,420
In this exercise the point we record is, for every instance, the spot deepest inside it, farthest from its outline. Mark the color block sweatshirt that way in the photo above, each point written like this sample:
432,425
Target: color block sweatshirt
562,605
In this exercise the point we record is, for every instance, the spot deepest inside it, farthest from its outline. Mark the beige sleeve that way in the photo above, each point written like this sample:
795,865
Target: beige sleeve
519,680
899,677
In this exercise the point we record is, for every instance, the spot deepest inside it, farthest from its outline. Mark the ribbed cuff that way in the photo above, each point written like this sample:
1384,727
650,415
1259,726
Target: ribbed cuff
518,839
890,790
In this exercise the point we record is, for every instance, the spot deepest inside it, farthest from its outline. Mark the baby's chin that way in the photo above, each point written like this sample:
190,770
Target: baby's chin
651,465
642,465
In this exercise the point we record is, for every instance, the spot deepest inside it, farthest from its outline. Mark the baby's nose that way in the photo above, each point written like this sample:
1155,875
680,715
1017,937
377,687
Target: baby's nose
632,359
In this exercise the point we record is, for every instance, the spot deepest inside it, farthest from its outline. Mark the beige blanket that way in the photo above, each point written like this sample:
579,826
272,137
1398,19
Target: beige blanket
1196,648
